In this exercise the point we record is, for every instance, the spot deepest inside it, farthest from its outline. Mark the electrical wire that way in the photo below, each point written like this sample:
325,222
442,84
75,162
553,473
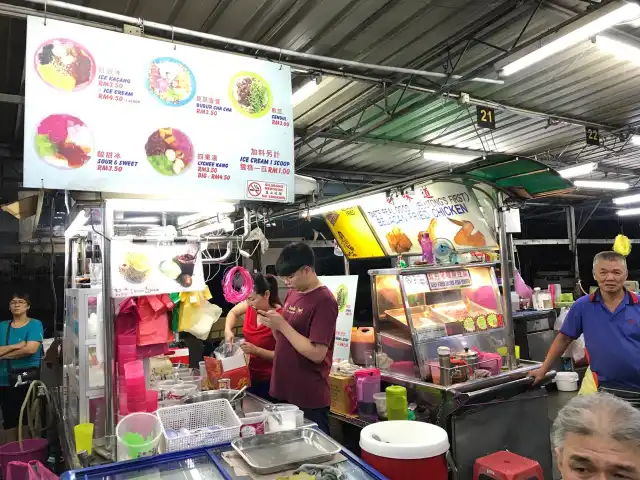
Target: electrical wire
33,406
52,265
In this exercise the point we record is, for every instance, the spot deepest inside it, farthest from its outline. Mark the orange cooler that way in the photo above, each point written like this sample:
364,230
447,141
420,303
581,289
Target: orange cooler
362,339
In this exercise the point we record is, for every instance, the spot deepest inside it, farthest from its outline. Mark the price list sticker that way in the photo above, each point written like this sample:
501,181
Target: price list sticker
449,279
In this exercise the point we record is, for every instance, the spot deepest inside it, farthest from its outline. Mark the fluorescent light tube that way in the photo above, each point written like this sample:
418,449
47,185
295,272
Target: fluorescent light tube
455,156
628,212
177,206
304,92
624,13
226,225
618,48
78,222
627,200
601,184
635,139
578,170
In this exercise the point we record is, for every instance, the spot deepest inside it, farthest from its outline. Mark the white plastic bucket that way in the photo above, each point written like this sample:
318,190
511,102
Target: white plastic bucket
138,436
567,381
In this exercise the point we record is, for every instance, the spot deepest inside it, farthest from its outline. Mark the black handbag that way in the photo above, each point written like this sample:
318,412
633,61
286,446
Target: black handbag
22,375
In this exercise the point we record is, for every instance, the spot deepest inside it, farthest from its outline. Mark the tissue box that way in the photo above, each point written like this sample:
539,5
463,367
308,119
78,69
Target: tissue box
343,390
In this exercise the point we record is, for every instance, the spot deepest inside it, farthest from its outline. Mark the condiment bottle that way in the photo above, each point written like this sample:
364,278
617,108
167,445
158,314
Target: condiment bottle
396,403
444,358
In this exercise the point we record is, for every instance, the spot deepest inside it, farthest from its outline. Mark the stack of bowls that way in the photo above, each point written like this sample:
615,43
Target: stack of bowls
135,387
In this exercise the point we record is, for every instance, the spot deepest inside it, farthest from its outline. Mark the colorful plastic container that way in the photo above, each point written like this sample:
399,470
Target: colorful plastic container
363,339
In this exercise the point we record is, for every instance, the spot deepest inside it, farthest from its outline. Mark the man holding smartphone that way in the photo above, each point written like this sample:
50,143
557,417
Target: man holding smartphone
305,334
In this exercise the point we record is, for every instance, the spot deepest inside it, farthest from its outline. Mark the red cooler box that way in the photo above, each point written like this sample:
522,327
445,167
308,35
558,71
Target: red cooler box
402,450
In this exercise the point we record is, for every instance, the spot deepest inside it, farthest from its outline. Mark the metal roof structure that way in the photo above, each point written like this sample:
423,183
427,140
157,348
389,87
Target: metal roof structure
364,126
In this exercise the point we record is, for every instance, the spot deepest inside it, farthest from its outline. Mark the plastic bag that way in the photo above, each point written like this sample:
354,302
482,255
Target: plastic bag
589,385
204,320
225,350
489,361
622,245
575,351
34,470
522,288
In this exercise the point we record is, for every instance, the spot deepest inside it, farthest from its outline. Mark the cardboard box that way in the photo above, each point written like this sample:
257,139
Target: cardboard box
343,394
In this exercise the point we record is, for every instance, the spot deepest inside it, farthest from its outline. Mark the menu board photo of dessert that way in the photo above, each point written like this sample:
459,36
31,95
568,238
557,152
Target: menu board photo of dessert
112,113
155,267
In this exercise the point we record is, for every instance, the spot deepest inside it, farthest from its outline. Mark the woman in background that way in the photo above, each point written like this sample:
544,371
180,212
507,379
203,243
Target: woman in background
259,340
20,351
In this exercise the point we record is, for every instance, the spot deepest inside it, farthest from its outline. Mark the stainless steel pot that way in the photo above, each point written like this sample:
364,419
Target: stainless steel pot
217,395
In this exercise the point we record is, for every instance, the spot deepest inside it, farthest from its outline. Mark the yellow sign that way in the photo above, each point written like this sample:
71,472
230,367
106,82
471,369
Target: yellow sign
353,233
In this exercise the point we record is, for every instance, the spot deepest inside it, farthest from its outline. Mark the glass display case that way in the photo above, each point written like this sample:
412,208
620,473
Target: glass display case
418,309
83,359
205,464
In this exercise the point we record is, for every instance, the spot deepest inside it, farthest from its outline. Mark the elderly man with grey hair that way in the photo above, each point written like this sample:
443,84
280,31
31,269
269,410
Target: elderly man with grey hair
597,437
609,318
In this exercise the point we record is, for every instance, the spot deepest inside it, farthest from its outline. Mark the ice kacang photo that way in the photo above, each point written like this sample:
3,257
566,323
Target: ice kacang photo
65,64
135,267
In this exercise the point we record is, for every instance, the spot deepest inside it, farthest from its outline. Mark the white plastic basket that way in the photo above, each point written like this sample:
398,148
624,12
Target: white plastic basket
198,416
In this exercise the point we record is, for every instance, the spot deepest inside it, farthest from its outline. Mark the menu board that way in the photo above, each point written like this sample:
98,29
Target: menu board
113,112
443,210
155,267
353,233
344,288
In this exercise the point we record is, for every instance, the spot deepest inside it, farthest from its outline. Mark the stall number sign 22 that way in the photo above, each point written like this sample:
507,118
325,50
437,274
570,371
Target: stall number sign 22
486,117
593,136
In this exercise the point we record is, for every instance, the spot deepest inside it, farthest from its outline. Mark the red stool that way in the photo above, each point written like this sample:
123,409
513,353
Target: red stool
506,466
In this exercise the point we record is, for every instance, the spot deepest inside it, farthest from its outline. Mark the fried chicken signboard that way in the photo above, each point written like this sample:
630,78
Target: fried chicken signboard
441,210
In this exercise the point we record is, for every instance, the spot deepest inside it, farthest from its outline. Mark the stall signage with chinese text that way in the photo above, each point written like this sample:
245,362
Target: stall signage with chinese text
111,112
344,288
155,267
447,279
443,210
353,234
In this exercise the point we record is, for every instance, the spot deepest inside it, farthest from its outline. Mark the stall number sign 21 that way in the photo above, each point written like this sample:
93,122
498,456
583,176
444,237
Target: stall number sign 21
486,117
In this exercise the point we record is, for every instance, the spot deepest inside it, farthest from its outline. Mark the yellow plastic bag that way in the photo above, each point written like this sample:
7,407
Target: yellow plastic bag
190,303
588,383
622,245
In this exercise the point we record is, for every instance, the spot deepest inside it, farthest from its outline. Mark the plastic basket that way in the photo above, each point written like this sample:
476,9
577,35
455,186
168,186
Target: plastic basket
197,417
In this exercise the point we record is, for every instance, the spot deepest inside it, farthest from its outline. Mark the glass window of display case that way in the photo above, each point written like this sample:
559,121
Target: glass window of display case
199,467
418,309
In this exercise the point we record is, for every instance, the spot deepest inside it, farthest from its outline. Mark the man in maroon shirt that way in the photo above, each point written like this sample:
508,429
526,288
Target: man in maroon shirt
305,334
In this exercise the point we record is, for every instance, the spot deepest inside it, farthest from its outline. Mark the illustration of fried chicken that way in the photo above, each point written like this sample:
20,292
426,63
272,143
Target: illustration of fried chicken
398,241
466,236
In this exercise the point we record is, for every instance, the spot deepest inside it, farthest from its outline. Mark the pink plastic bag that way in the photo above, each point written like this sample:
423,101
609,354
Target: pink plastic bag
522,288
33,470
153,327
489,361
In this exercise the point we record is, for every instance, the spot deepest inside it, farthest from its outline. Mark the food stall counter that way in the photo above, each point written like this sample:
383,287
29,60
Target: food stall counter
213,463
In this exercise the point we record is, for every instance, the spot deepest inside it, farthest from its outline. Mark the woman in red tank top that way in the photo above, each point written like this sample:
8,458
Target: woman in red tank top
259,340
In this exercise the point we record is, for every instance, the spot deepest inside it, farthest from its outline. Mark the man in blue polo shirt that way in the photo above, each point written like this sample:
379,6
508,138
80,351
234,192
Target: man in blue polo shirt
609,318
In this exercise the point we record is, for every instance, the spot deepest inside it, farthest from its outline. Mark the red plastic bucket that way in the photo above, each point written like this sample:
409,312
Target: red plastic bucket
31,449
406,450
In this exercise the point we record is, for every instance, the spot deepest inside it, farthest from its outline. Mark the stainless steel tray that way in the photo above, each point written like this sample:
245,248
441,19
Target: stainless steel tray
279,451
